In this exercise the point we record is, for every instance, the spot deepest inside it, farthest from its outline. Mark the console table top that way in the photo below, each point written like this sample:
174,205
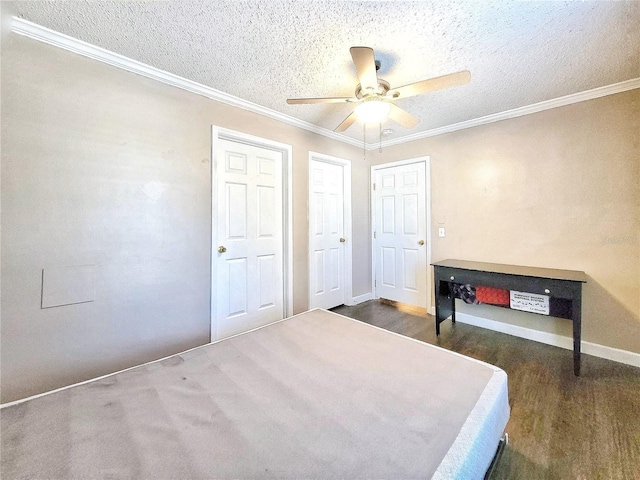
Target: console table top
552,273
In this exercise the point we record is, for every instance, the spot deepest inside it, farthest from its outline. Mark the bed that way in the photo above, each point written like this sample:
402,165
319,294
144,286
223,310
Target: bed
317,395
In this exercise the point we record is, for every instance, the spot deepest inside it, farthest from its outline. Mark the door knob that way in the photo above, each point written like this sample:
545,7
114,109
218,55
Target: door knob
342,240
222,249
421,242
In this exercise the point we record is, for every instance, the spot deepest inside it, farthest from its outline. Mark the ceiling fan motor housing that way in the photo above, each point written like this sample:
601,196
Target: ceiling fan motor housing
383,88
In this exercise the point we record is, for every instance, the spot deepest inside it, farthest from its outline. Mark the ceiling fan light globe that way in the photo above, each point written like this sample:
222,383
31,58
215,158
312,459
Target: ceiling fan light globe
372,111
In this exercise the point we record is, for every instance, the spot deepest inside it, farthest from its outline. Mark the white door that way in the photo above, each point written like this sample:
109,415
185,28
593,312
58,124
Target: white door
248,238
401,234
326,235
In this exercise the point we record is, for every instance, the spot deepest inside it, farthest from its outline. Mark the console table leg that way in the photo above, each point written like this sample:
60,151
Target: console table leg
576,354
445,302
576,308
453,304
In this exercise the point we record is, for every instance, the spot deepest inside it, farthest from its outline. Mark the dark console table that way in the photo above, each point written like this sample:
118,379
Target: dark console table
561,284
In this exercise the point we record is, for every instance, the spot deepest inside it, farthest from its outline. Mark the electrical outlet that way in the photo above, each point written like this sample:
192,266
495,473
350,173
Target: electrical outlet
441,232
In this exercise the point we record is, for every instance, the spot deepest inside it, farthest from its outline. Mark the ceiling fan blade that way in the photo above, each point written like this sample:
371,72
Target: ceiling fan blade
402,117
366,67
437,83
295,101
346,123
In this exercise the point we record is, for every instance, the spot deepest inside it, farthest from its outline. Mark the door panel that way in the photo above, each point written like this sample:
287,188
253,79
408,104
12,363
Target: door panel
411,257
266,211
388,215
319,264
334,268
236,211
237,291
318,213
266,269
388,267
248,275
410,214
400,226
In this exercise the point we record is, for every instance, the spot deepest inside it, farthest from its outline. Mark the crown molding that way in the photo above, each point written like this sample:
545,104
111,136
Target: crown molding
518,112
60,40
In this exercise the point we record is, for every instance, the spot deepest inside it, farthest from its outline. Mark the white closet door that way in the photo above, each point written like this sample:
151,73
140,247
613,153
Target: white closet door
248,263
401,234
326,232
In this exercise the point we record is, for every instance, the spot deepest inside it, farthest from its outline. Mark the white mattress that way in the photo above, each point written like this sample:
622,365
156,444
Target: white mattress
317,395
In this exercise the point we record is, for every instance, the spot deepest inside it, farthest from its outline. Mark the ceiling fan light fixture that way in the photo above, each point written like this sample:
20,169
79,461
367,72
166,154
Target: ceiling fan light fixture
372,110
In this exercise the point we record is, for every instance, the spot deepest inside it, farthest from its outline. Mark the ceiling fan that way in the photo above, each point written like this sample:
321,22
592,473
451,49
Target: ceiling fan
374,96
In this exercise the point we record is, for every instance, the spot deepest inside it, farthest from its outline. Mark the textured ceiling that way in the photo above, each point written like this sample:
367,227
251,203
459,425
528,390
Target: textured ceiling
265,51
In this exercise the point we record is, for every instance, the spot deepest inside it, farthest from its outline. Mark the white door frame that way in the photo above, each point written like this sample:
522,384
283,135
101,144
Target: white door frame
348,247
374,168
217,134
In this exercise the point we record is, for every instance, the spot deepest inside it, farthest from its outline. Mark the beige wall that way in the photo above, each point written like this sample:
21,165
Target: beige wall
558,189
80,140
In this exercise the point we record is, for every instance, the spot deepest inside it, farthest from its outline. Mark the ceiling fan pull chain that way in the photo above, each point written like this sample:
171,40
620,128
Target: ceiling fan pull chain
364,141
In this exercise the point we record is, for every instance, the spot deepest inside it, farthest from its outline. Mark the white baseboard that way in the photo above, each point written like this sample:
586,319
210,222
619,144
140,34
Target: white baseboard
362,298
602,351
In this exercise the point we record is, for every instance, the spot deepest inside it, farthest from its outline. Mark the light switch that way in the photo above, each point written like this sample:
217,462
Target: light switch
441,232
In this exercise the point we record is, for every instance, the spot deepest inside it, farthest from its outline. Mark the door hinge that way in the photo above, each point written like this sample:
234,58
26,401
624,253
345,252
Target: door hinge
375,283
374,234
374,186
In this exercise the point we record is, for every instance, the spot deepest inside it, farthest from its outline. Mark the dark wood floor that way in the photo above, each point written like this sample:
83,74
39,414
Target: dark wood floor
561,426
